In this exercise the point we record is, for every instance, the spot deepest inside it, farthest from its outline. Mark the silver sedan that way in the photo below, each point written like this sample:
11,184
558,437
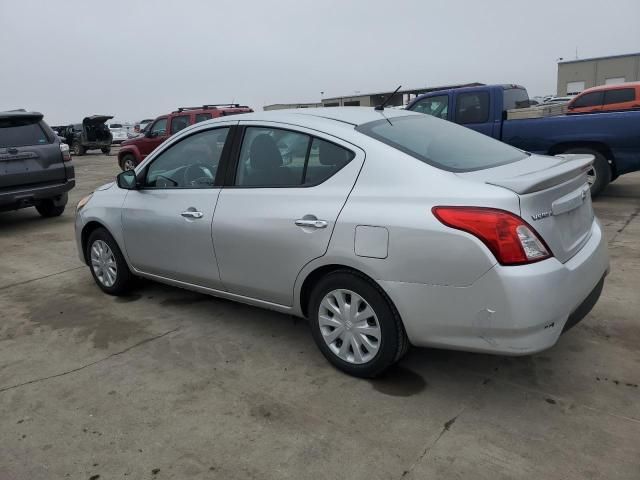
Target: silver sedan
384,228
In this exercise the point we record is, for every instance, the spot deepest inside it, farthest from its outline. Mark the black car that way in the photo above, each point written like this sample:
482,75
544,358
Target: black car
91,134
35,166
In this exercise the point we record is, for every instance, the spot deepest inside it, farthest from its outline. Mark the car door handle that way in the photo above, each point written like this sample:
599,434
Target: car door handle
192,214
309,223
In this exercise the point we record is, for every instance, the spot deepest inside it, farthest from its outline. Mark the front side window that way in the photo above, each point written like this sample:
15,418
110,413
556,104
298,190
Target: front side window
513,98
273,157
434,106
159,128
444,145
472,107
179,123
619,95
593,99
190,163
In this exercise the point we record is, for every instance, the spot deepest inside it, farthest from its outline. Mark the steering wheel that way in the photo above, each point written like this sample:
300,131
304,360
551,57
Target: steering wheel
197,174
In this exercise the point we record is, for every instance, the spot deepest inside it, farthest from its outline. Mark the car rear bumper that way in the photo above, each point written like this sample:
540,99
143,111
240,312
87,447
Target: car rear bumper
515,310
23,197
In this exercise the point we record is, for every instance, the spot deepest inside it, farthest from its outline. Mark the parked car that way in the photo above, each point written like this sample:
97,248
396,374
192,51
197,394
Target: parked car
565,99
612,138
118,132
441,237
35,167
91,134
607,98
135,150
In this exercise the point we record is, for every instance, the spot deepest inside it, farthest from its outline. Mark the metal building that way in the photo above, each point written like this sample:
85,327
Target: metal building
574,76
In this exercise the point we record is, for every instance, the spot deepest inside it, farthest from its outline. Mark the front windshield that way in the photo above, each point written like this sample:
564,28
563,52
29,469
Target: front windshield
442,144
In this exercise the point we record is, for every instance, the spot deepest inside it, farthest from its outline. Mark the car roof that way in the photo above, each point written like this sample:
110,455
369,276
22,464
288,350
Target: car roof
611,87
17,114
347,115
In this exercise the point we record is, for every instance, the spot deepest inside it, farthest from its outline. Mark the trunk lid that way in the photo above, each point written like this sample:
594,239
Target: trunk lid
554,197
29,153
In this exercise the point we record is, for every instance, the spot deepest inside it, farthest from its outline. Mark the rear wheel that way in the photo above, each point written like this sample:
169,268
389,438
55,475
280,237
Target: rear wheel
600,175
354,324
78,149
108,266
106,150
48,208
128,162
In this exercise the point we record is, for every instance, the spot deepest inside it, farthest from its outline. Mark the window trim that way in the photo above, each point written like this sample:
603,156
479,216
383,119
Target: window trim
219,178
234,159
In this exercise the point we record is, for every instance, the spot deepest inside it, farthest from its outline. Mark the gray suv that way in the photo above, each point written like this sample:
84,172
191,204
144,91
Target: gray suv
35,166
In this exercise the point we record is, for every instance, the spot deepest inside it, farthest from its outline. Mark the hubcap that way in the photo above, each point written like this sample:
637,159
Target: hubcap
349,326
591,176
128,164
103,263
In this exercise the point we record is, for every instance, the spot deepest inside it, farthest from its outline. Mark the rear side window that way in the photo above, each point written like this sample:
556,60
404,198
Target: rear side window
619,95
593,99
178,123
201,117
472,107
21,132
444,145
274,157
515,98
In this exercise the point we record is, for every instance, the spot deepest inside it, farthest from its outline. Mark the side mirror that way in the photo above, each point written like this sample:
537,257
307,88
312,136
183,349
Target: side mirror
127,180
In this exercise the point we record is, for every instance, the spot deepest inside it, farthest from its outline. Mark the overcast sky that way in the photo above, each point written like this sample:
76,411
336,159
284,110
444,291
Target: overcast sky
135,59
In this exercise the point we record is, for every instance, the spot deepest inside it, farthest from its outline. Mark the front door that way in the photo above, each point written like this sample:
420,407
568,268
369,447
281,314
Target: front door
156,134
167,222
279,211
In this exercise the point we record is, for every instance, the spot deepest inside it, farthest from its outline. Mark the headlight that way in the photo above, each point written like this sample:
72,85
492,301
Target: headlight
83,202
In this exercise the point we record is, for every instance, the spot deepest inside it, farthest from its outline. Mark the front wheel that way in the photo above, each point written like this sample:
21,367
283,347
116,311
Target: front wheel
78,149
106,150
355,325
108,266
600,175
128,162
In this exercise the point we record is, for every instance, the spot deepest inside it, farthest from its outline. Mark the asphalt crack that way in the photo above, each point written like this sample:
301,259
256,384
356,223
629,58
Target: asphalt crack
91,364
445,428
633,215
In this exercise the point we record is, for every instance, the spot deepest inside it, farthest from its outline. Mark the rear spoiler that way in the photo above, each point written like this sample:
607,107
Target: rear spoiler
574,165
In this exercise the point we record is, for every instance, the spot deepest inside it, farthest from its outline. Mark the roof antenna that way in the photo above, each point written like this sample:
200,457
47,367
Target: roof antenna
386,100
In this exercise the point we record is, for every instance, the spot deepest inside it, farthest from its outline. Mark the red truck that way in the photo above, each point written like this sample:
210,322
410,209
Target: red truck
135,150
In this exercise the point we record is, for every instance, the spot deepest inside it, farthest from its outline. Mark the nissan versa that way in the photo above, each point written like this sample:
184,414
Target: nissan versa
388,228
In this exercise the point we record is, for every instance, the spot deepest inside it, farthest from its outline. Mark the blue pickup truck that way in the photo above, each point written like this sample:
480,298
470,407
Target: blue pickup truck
613,138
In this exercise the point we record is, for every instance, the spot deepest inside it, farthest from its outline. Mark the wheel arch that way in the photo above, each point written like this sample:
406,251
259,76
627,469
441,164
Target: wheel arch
87,230
314,276
599,147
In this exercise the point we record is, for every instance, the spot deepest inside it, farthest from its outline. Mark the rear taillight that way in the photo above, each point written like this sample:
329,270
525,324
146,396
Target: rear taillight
509,237
66,154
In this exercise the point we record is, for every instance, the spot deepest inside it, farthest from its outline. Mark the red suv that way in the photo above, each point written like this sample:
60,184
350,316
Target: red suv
133,151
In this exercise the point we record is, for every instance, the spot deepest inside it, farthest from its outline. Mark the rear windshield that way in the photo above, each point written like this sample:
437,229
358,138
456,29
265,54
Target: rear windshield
442,144
21,132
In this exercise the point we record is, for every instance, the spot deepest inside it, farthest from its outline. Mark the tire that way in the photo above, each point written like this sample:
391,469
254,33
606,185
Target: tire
103,261
106,150
600,176
375,355
48,209
78,149
128,162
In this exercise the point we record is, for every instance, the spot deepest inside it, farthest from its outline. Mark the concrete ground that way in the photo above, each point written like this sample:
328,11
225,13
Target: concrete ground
172,384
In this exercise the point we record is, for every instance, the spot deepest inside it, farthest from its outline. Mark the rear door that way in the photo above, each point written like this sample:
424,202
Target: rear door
29,153
474,110
279,207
